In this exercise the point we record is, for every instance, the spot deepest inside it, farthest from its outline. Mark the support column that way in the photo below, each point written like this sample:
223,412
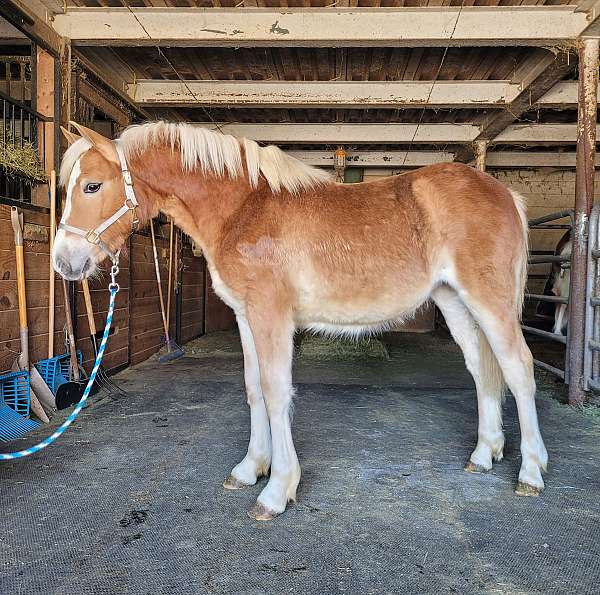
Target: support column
45,103
480,147
584,198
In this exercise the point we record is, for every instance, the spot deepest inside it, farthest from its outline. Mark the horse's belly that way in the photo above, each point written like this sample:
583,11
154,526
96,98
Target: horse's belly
334,311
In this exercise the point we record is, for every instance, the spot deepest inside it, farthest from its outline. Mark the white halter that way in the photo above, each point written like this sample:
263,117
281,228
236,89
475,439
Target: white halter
130,205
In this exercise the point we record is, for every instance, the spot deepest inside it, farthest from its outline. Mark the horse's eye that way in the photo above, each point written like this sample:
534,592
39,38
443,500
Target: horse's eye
92,187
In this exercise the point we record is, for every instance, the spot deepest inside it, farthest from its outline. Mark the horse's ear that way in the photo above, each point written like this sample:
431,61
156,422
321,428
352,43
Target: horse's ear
99,142
70,136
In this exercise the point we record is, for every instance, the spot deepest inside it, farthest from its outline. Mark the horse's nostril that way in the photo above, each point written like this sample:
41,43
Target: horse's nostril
63,266
87,266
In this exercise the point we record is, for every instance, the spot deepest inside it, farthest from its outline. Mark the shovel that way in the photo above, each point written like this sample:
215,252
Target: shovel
40,395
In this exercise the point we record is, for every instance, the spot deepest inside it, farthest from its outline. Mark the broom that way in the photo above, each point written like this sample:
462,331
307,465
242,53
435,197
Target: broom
173,350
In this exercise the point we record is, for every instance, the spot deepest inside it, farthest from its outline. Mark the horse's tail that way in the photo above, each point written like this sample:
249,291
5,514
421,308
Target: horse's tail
521,265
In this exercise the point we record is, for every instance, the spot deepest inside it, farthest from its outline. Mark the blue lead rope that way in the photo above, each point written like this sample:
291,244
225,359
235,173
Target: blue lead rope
114,288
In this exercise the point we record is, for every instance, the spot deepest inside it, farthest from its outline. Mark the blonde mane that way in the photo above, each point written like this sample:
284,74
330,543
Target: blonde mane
212,152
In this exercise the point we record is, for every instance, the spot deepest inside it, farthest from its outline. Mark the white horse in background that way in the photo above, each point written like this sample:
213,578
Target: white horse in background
561,281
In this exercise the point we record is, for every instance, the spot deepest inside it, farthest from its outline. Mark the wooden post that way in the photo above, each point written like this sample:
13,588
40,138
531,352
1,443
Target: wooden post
480,154
584,197
45,90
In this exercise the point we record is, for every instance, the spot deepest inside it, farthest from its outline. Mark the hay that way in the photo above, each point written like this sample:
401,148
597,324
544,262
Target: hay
22,161
318,347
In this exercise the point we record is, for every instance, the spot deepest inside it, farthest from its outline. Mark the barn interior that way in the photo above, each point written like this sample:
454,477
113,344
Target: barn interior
366,89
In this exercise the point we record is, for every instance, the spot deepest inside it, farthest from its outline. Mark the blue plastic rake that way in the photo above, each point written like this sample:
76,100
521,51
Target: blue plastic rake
14,406
57,370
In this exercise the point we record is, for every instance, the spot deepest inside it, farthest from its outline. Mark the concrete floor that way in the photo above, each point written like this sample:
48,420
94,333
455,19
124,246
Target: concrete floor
130,499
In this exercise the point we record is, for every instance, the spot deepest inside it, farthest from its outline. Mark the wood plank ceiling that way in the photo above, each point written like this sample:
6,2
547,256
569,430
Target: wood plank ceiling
322,64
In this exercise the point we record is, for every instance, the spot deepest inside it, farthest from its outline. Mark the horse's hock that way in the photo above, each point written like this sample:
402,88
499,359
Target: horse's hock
322,358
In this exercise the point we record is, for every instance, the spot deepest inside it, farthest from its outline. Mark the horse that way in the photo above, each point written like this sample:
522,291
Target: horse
288,248
561,282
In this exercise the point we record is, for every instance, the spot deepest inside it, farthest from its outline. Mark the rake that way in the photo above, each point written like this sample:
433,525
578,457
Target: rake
14,406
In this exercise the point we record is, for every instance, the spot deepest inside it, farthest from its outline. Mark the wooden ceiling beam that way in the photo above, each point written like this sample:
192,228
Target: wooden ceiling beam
325,27
538,134
407,159
325,94
534,159
350,133
343,94
562,96
375,158
393,133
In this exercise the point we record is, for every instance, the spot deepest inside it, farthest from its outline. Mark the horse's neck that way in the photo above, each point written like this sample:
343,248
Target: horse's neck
199,203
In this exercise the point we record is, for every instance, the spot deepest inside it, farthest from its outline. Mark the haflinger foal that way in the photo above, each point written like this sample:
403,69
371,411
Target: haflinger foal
288,248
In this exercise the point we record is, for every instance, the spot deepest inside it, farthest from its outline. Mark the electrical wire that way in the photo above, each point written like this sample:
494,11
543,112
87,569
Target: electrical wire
435,78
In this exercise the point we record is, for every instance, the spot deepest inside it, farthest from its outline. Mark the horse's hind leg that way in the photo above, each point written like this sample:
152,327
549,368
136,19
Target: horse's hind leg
488,382
503,331
258,458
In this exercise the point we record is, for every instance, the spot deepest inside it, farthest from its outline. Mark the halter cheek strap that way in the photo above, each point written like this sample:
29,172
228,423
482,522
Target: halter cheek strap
93,236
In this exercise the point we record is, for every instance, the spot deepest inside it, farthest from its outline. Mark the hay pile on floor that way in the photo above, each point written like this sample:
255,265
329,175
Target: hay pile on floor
20,160
318,347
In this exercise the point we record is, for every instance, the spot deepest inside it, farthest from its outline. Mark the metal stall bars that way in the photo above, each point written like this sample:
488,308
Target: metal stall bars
545,222
591,357
21,126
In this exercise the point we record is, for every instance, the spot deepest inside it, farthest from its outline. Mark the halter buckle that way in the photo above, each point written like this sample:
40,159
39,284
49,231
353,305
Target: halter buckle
93,237
127,177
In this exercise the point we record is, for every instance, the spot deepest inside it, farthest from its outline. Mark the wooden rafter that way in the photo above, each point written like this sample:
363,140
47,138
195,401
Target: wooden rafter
391,133
325,27
32,20
325,94
112,80
344,94
409,159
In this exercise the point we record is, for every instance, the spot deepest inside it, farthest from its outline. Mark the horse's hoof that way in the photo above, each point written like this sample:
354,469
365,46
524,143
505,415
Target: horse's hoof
232,483
524,489
259,512
472,467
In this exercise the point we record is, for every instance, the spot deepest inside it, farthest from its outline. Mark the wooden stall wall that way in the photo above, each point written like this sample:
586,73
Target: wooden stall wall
217,315
146,327
37,273
137,325
192,297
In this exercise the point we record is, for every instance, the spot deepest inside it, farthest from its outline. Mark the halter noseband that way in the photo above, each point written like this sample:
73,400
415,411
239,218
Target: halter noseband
130,205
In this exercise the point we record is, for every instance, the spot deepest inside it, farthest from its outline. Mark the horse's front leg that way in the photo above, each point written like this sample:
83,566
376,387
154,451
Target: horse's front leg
258,458
273,331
